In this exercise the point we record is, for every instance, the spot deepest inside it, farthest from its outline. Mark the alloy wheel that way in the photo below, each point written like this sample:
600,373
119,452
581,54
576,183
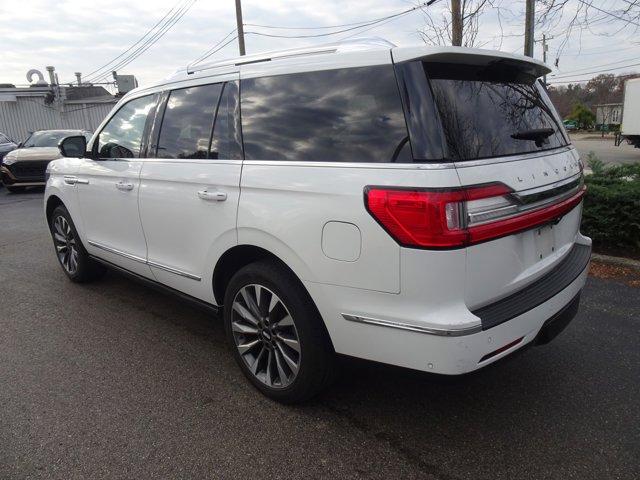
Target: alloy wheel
65,243
265,336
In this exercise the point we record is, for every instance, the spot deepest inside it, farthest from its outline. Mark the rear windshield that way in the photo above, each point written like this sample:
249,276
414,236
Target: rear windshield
492,111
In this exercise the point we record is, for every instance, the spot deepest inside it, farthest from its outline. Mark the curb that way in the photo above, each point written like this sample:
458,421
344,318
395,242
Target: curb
622,261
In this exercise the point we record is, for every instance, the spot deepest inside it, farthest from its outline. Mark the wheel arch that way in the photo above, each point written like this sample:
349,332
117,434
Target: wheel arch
52,203
234,259
240,256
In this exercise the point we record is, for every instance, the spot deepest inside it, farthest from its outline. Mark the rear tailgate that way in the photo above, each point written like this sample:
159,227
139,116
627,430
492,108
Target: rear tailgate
502,266
521,178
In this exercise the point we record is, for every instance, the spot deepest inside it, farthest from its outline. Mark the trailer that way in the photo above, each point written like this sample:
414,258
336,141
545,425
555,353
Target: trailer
630,129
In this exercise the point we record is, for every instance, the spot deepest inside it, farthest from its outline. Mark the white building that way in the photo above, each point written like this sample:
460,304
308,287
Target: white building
608,113
45,106
24,110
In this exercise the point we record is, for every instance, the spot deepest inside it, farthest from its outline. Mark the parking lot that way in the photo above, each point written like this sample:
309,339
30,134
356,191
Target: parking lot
605,148
115,380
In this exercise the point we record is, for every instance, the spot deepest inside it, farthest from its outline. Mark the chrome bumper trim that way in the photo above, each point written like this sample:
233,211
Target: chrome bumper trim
443,332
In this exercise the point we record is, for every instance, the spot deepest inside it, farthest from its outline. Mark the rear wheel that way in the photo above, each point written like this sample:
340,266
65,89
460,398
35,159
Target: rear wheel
73,257
15,189
276,333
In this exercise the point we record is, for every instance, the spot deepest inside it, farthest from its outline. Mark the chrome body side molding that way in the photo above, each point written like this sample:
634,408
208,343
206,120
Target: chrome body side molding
145,261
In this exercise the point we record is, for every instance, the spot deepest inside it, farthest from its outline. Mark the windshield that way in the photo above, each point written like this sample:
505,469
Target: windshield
492,111
50,138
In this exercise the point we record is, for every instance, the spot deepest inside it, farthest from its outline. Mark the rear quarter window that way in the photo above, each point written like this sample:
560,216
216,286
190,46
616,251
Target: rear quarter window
342,115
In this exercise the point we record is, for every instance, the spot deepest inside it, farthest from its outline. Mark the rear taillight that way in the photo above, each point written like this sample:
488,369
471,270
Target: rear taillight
453,218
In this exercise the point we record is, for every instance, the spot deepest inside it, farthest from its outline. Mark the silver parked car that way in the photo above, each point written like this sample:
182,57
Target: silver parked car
26,165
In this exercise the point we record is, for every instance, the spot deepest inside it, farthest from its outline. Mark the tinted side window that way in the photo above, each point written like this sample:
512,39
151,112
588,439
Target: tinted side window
122,136
187,123
226,143
346,115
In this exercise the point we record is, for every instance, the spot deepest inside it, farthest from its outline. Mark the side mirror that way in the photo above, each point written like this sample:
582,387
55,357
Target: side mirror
75,146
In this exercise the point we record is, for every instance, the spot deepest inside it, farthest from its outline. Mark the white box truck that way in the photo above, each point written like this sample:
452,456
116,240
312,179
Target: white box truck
630,129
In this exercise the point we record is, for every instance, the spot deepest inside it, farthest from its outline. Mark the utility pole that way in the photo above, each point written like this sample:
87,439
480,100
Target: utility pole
545,47
529,27
240,27
456,23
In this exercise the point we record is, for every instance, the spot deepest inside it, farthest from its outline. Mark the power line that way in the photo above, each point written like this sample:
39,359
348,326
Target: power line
276,27
136,43
214,51
579,70
378,25
609,13
599,51
600,71
210,51
585,80
175,18
359,25
368,23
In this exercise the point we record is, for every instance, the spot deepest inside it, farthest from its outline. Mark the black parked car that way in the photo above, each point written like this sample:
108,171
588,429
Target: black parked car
6,145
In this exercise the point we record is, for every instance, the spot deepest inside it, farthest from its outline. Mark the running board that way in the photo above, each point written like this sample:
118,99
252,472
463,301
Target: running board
201,304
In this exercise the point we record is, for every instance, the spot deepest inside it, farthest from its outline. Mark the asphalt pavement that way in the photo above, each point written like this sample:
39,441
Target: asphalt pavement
115,380
605,148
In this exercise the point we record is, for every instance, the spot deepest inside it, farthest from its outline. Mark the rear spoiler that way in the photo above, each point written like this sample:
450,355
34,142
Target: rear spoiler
469,56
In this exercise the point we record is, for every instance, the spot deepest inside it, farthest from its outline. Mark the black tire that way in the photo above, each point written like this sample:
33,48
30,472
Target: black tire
83,269
12,189
316,357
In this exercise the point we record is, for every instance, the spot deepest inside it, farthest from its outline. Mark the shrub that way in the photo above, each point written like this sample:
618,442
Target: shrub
611,215
582,115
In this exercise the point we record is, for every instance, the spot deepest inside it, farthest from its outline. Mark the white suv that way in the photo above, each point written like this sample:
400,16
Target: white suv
417,206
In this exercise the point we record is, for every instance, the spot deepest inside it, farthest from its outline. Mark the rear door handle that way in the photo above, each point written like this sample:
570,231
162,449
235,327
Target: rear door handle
72,180
212,196
124,186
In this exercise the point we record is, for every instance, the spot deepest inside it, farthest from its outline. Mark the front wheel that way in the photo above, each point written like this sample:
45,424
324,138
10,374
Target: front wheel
276,333
73,257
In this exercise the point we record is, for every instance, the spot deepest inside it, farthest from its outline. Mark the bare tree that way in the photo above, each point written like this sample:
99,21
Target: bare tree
575,16
458,25
570,17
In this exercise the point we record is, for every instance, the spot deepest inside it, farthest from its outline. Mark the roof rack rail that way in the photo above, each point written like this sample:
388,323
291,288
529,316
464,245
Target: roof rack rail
346,45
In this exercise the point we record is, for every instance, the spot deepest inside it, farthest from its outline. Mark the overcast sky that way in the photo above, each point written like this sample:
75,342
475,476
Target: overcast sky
75,35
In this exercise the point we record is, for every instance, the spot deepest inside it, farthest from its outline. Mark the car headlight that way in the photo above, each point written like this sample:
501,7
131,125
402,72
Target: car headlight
8,160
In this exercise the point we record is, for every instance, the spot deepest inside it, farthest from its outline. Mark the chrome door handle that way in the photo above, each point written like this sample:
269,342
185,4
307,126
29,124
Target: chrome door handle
124,186
72,180
213,196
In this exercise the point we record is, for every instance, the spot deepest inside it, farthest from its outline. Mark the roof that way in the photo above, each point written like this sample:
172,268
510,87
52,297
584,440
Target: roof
351,53
373,43
86,92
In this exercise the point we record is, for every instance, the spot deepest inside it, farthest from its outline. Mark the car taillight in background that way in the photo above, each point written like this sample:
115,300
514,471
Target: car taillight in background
458,217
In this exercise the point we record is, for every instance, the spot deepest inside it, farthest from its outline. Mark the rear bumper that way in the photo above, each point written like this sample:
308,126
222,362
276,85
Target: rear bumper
456,351
538,292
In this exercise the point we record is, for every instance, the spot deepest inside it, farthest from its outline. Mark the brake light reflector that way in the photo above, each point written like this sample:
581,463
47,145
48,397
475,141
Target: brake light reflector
453,218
